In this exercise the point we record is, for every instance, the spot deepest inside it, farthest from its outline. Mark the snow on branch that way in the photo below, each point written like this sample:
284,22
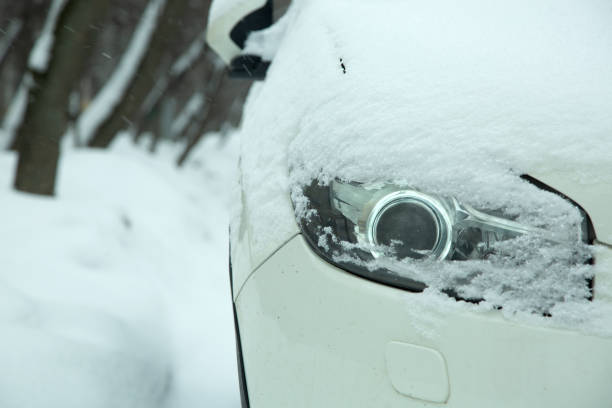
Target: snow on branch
15,112
112,93
41,53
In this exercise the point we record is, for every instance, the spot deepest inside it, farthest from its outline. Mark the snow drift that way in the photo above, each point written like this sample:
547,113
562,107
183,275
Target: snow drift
115,293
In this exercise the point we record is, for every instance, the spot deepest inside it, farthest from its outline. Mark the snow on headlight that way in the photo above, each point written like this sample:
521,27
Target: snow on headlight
412,240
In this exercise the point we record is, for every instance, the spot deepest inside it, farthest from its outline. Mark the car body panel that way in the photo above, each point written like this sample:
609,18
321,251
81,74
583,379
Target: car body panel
247,257
316,336
591,188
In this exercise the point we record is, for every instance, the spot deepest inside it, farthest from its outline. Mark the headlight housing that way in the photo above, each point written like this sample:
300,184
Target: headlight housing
389,233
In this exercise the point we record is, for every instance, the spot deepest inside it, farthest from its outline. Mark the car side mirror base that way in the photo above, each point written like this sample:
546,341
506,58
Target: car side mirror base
248,66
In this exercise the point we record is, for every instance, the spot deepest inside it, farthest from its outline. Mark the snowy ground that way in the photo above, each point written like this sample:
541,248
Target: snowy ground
115,293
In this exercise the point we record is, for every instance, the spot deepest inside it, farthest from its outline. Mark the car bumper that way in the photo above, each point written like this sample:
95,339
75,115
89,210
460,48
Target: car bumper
313,335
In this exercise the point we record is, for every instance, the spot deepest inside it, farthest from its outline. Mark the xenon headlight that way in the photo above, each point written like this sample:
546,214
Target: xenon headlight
372,232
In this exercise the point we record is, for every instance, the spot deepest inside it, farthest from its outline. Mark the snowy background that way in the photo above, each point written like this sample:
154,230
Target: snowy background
115,293
114,283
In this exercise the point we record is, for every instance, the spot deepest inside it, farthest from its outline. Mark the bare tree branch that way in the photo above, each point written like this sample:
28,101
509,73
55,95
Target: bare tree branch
197,128
182,65
128,110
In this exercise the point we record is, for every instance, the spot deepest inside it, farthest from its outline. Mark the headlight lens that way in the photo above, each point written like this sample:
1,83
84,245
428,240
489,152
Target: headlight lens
413,224
377,232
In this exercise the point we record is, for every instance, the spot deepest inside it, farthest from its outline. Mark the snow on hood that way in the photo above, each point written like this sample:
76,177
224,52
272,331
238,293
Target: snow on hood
480,86
456,98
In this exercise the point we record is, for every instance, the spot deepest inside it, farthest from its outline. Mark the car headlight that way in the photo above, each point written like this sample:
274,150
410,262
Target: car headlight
380,232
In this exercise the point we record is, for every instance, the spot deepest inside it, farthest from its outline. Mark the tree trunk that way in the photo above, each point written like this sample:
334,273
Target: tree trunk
224,100
32,15
127,111
169,82
46,115
9,37
196,129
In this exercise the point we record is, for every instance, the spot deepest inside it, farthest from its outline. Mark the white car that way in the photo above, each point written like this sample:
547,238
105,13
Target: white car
424,216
